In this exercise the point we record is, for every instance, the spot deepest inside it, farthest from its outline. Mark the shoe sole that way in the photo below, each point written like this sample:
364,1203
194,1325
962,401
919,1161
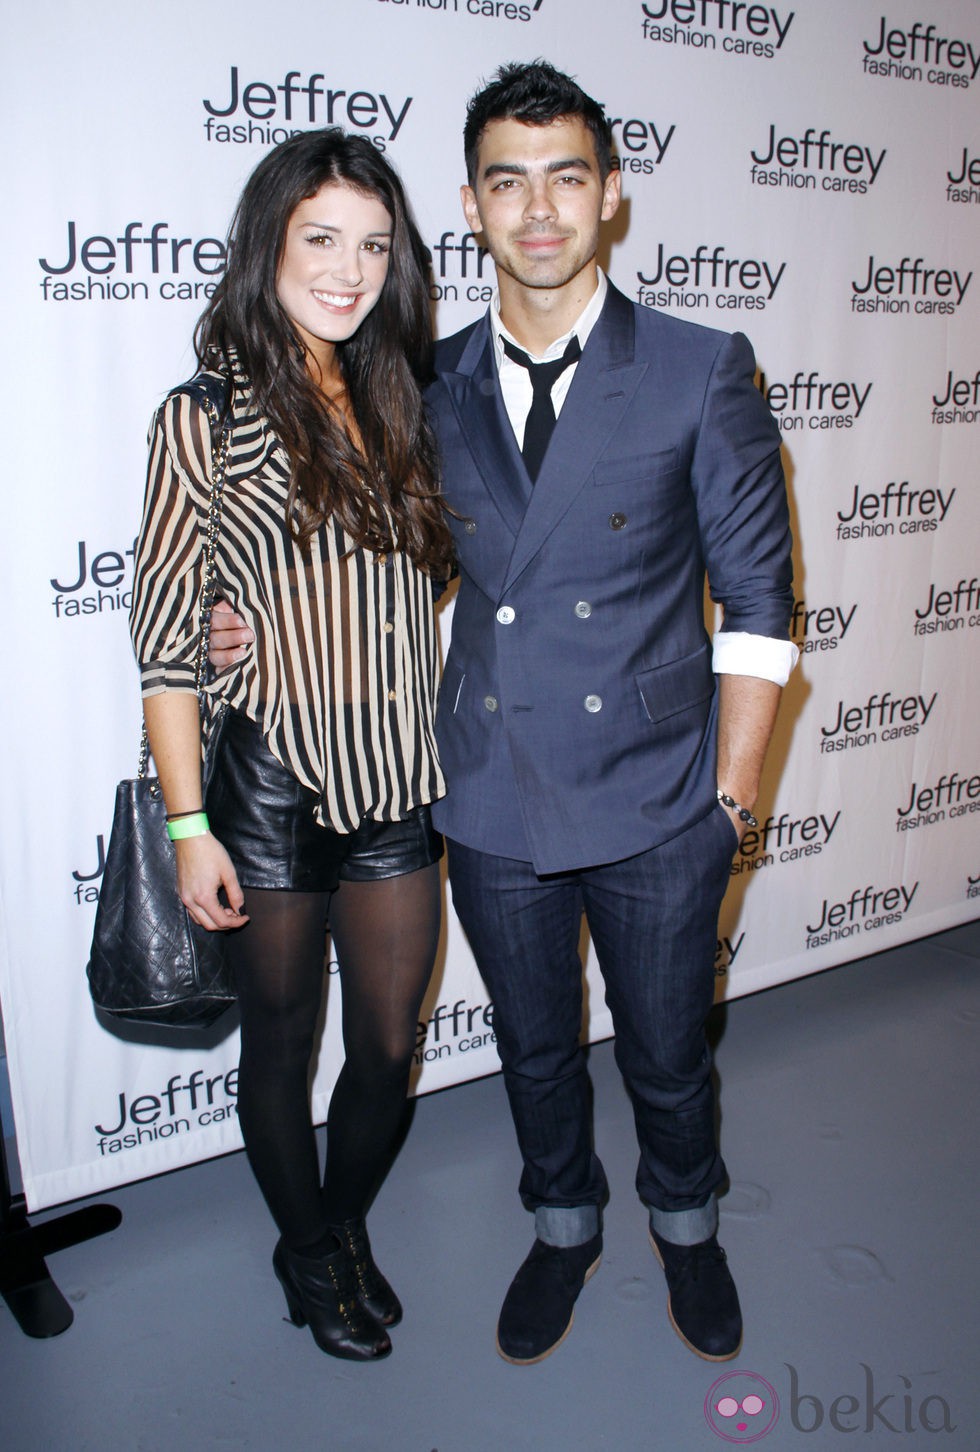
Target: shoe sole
704,1355
543,1355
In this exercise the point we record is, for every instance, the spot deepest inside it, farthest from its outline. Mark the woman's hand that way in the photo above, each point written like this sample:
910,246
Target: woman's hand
230,636
203,867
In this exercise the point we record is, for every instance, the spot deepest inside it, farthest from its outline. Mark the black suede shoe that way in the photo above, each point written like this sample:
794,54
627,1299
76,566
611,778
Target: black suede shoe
702,1303
375,1292
537,1312
321,1291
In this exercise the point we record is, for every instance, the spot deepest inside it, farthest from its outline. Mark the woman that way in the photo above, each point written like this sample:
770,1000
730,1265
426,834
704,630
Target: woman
331,537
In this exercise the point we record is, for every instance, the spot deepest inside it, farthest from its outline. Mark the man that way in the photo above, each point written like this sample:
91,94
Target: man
599,756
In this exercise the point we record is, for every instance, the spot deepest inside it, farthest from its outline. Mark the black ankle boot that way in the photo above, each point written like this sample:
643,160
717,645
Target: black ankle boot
322,1292
702,1302
375,1292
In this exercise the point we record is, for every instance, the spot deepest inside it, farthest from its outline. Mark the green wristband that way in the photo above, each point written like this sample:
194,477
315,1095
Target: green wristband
193,826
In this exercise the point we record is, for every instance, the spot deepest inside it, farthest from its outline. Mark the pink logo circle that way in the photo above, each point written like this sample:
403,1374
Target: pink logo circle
741,1407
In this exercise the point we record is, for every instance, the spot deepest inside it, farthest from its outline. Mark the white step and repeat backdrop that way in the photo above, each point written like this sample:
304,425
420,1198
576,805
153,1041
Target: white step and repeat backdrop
808,171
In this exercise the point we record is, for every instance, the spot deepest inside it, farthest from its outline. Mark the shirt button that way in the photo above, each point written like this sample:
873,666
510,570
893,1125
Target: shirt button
593,703
469,526
617,521
388,627
392,695
506,614
382,559
583,609
491,703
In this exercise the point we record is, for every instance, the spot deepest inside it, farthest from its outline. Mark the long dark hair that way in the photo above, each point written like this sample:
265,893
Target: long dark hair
385,493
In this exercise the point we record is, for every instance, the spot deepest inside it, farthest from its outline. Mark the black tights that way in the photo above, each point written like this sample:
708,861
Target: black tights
385,934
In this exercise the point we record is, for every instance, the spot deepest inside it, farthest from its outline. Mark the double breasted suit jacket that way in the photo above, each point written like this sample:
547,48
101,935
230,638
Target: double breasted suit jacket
577,713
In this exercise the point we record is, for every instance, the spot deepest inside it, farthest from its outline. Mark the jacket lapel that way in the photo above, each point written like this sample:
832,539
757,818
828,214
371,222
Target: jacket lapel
475,392
601,391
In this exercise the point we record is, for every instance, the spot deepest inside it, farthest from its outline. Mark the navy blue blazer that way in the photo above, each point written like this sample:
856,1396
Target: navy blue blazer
577,712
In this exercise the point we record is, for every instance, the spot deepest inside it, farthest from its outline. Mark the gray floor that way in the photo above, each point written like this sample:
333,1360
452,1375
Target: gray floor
849,1126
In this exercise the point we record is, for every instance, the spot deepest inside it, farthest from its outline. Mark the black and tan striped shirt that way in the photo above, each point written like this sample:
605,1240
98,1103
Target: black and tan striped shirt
342,676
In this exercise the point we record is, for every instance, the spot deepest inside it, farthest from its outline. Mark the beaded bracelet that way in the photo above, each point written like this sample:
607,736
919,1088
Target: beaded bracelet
194,825
743,813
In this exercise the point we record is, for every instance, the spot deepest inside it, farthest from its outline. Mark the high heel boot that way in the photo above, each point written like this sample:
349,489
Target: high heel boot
375,1292
322,1292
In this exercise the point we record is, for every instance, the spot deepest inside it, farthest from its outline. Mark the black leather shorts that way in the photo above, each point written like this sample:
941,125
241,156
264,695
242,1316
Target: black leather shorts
264,819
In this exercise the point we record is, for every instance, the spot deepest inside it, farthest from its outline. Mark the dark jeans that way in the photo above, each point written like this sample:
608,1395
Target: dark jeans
653,920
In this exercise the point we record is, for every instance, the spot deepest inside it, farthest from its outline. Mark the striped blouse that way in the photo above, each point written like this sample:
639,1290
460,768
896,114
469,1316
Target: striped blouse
342,676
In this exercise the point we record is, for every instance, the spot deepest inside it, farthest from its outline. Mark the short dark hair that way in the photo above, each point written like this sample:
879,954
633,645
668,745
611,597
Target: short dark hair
536,93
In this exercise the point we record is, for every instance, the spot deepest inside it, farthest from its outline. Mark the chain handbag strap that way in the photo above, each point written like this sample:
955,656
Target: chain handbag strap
220,450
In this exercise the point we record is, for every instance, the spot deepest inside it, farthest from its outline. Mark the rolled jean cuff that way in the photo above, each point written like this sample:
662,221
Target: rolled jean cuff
566,1225
685,1227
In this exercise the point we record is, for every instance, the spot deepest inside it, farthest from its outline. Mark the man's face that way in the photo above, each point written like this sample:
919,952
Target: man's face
539,199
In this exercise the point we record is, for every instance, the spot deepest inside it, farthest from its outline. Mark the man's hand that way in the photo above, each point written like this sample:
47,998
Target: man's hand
746,716
230,636
740,827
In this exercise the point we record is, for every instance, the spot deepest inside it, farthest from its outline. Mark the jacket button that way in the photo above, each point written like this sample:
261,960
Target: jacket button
617,521
593,703
491,703
583,609
506,614
469,526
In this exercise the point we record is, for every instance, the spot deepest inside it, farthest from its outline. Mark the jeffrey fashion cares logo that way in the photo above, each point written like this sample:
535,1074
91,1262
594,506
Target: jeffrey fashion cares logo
709,275
865,910
957,401
815,160
726,951
178,1108
897,508
881,717
85,884
816,628
246,110
784,839
742,1407
94,582
454,1030
460,269
806,400
907,285
950,795
729,26
919,52
973,886
966,170
948,608
482,9
129,262
639,144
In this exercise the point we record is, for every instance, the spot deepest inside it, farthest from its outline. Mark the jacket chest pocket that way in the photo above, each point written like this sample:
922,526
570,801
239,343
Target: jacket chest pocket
647,469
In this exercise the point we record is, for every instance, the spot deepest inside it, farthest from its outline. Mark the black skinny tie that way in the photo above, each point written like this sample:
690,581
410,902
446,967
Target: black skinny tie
541,419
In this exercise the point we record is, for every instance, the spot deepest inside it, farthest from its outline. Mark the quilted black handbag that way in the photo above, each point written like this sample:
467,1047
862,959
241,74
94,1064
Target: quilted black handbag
150,963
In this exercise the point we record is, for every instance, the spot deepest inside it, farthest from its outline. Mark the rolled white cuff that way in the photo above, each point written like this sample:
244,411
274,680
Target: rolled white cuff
737,653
